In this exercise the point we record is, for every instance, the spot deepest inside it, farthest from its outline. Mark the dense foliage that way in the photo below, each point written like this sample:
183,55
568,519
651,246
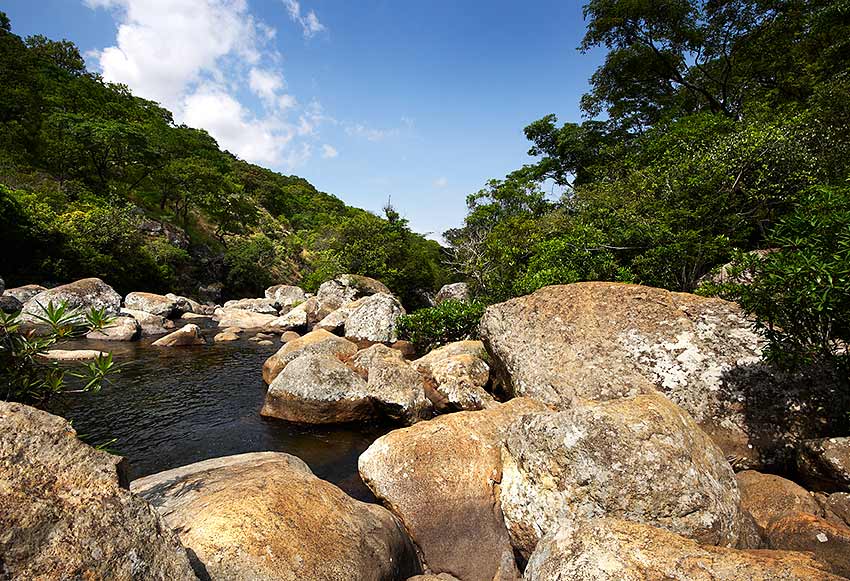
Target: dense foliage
98,182
25,377
708,126
449,321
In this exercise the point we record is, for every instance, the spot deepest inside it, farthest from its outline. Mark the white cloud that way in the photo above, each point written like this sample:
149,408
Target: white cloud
194,57
370,133
441,182
329,152
310,24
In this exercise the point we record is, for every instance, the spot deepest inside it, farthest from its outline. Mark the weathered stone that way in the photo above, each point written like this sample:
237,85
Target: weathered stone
407,348
458,291
642,459
226,337
396,389
473,348
9,304
24,293
828,542
825,463
316,342
265,343
242,318
297,318
441,479
440,577
601,341
151,303
2,286
188,335
724,274
123,328
265,517
459,382
608,549
373,356
82,294
289,336
262,306
837,505
767,496
64,514
72,354
185,305
318,389
150,324
344,289
285,295
374,320
335,320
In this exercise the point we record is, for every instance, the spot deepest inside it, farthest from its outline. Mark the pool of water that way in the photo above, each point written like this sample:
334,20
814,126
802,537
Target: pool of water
168,407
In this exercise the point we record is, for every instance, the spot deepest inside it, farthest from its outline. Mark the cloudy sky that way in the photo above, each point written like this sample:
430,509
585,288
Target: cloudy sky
422,102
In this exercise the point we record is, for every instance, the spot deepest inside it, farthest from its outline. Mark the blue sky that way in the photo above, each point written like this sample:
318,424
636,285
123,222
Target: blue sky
420,101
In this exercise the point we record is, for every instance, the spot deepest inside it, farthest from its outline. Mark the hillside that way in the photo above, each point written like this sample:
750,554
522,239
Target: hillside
95,181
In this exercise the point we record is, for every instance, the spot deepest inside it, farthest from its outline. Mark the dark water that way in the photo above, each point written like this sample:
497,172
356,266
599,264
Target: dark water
169,407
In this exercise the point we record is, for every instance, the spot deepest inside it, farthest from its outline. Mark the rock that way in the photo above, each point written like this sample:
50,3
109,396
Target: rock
10,305
211,293
458,291
64,514
24,293
643,459
335,320
2,286
836,504
407,348
441,479
188,335
265,343
825,463
316,342
150,324
318,389
242,318
767,496
723,275
600,341
225,337
440,577
285,295
374,356
151,303
297,318
72,354
192,317
289,336
608,549
184,305
265,516
123,328
374,320
829,542
396,389
344,289
457,375
83,294
262,306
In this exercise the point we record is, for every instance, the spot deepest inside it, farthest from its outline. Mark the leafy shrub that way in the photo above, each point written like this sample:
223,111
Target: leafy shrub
24,378
800,293
435,326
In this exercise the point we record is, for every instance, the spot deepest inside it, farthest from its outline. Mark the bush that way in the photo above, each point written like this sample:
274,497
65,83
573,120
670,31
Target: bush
435,326
800,293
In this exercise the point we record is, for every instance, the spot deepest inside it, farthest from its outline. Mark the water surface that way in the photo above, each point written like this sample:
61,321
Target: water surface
169,407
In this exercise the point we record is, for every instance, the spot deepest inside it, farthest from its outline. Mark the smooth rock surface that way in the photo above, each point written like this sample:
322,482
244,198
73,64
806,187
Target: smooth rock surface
83,294
441,479
72,354
151,324
767,497
600,341
64,515
262,306
315,342
242,318
642,459
188,335
617,550
123,328
265,517
297,318
828,542
226,337
151,303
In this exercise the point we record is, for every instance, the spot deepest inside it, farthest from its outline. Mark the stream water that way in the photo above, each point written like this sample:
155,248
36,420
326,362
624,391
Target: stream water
168,407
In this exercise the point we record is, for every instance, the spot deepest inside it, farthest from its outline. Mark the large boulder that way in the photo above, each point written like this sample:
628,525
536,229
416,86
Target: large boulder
825,463
457,374
24,293
299,317
608,549
123,328
82,294
262,306
72,354
285,295
768,496
316,342
264,516
395,388
318,389
344,289
186,336
827,541
441,479
242,318
10,305
458,291
642,459
600,341
152,303
150,324
64,513
375,320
